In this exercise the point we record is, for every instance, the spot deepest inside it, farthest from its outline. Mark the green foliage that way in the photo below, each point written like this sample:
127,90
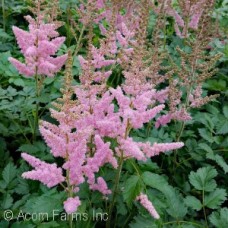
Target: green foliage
187,187
132,189
174,200
193,203
219,219
215,198
203,179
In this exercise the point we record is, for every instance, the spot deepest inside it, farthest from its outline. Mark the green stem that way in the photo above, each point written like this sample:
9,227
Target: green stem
192,223
70,194
28,141
3,15
79,40
116,185
204,211
36,118
69,187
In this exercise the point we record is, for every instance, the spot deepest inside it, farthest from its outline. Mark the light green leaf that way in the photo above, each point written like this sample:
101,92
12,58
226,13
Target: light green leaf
193,202
215,198
19,82
219,219
132,189
203,179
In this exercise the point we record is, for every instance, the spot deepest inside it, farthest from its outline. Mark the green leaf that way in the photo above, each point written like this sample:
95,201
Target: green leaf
19,82
219,160
174,199
175,205
215,198
132,189
204,133
22,224
141,222
225,111
7,201
51,224
28,148
203,179
22,187
205,147
9,173
222,127
44,204
193,202
155,181
219,219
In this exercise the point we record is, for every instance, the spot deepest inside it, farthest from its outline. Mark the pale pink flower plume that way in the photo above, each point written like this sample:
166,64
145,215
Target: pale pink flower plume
146,203
47,174
71,204
38,45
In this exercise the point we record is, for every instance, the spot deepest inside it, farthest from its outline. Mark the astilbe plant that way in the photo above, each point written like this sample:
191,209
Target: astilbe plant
100,115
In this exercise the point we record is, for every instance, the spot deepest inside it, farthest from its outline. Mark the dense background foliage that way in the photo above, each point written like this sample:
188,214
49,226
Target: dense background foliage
188,187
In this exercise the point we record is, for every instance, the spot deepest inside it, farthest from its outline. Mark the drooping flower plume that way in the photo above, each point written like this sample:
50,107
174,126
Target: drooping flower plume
146,203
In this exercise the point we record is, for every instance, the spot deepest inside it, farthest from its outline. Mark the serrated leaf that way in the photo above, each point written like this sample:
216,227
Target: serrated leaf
9,173
141,222
204,133
22,187
219,219
193,202
203,179
7,201
215,198
219,160
22,224
28,148
222,127
19,82
154,180
44,204
205,147
225,111
132,189
51,224
175,205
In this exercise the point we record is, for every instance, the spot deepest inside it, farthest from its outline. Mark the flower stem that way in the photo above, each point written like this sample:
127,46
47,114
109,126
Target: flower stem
204,211
3,15
36,118
116,185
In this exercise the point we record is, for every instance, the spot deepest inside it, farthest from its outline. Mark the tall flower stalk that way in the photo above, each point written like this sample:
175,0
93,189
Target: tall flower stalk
39,45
